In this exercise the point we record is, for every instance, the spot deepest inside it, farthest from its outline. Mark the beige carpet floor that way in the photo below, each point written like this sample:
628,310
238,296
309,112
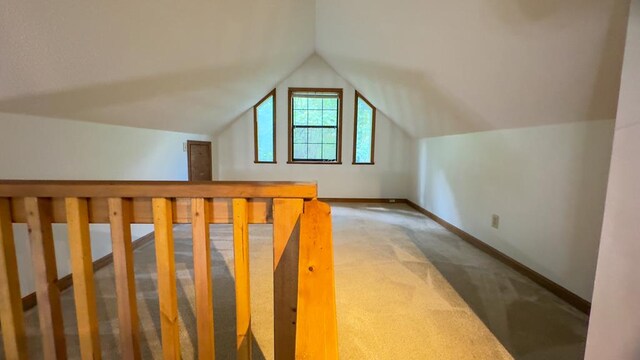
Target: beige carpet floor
392,302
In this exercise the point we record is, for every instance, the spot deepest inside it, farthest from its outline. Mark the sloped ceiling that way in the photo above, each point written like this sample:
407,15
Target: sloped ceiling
190,66
434,67
447,67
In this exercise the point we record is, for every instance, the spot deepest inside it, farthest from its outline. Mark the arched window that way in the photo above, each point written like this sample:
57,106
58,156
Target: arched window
264,129
364,132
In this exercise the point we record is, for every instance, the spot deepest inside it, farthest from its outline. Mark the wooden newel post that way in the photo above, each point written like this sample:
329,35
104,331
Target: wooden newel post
317,330
286,240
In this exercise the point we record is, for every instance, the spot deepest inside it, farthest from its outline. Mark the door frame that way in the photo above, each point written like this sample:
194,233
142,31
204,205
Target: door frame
196,142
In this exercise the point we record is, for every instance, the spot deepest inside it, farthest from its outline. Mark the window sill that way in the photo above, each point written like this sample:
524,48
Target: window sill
355,163
265,162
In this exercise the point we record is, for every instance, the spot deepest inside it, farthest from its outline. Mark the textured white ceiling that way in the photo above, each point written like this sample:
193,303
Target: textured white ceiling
446,67
435,67
189,66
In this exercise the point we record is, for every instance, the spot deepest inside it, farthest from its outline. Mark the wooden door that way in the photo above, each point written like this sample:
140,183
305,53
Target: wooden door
199,157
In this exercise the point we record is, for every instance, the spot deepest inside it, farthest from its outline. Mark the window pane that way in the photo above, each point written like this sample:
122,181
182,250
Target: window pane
315,151
364,110
264,130
315,136
330,103
329,152
329,136
330,117
300,117
299,136
315,103
315,117
300,103
364,132
299,151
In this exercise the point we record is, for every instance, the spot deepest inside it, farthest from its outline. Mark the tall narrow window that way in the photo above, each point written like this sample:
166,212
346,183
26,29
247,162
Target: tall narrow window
364,132
264,129
315,117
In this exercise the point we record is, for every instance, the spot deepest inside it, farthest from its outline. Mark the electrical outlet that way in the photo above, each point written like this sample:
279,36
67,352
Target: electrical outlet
495,221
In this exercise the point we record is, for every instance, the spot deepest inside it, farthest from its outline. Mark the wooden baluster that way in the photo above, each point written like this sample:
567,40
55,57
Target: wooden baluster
120,220
82,273
165,261
241,269
46,274
286,236
11,317
316,333
202,271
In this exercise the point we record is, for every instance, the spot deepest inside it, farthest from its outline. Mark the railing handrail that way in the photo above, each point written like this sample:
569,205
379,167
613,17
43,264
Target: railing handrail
150,189
304,290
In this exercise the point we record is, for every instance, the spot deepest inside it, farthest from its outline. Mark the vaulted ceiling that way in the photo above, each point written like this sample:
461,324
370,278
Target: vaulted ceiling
189,66
434,67
445,67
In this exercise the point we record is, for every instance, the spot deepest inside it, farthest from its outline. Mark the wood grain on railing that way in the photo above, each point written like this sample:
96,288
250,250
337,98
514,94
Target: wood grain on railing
46,274
11,317
202,273
304,294
286,240
157,189
220,211
241,270
120,219
82,272
317,330
165,262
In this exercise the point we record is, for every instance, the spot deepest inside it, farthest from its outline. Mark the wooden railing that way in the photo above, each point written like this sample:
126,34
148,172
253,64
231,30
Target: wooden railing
304,294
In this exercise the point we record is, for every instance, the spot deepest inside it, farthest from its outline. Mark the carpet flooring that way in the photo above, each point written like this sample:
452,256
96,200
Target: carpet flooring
399,281
529,321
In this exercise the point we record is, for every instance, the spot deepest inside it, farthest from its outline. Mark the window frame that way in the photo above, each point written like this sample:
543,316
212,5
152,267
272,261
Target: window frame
355,129
255,129
338,91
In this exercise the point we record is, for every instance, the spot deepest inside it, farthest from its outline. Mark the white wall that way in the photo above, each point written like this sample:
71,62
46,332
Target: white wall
53,149
388,178
614,328
546,183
